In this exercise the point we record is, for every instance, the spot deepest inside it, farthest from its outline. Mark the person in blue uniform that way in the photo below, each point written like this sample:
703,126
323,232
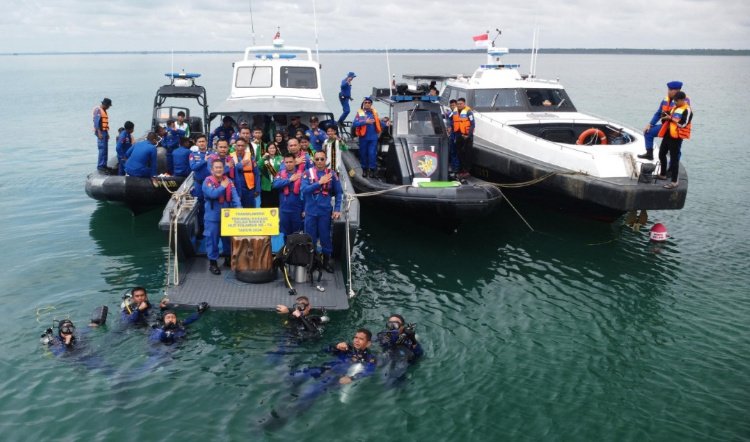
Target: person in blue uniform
219,193
367,128
124,142
170,330
199,165
171,142
223,132
653,127
288,182
319,186
142,157
136,308
463,130
316,135
101,130
247,174
345,96
181,157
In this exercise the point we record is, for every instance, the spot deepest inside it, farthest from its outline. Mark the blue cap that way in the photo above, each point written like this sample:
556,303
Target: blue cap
674,85
367,99
351,74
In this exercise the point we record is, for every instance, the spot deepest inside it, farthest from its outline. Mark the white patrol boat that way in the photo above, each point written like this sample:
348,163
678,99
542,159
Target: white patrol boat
529,131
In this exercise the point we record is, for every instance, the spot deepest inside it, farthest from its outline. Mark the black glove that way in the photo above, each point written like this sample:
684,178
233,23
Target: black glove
202,307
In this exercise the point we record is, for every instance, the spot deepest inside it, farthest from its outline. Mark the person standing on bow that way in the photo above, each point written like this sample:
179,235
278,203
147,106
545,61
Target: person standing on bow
463,130
653,128
101,130
345,96
319,186
675,128
367,128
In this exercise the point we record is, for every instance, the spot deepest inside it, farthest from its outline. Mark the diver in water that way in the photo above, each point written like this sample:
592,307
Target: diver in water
136,308
170,330
71,345
300,320
400,337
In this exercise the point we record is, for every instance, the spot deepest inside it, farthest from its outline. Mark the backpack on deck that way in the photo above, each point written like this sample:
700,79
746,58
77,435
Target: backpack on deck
298,250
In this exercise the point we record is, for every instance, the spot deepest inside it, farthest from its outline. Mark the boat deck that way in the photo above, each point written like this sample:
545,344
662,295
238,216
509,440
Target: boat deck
224,292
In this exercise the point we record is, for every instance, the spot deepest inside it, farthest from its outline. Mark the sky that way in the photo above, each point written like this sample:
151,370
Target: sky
147,25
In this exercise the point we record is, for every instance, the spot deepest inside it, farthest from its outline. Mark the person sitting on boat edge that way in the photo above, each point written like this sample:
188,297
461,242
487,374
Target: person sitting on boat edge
124,142
676,126
170,330
463,128
288,183
181,157
223,132
300,319
653,127
367,128
345,96
219,193
333,147
142,157
315,134
181,124
319,186
101,130
272,162
198,164
400,337
247,176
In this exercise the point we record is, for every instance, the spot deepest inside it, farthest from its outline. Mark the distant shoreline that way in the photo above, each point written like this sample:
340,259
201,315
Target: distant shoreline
604,51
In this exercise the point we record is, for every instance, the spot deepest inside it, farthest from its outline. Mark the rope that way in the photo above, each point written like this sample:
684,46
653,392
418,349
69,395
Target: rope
349,199
380,192
532,181
517,212
161,179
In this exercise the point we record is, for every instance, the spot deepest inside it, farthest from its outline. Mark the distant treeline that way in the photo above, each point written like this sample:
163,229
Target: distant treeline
741,52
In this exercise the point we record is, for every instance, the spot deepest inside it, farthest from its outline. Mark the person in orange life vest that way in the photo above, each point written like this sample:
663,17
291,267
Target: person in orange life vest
247,176
257,144
219,193
463,127
652,129
199,165
181,158
289,184
124,141
367,127
101,129
319,185
142,157
675,128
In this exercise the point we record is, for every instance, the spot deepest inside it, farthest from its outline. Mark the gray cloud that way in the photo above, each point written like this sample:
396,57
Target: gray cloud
78,25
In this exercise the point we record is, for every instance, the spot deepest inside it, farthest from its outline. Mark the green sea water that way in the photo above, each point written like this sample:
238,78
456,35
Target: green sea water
575,331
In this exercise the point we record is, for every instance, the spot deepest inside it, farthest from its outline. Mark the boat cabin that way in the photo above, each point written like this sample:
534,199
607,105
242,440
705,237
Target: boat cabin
181,86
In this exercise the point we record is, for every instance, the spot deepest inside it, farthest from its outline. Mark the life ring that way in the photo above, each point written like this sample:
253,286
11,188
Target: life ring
598,133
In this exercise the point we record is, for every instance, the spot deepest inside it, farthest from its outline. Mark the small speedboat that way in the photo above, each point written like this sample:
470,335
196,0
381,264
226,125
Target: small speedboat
413,175
140,194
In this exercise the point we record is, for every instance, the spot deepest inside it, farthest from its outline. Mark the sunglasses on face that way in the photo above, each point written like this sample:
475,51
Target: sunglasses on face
320,159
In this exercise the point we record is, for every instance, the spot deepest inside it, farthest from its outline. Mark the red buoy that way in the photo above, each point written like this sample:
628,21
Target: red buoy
658,233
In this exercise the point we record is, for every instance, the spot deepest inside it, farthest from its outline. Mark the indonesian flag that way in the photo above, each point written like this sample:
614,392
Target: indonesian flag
277,36
482,39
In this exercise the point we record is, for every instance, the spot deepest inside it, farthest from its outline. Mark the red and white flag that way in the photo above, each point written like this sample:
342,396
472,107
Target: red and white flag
482,39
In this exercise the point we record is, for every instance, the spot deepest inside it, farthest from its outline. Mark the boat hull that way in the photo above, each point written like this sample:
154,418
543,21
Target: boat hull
136,193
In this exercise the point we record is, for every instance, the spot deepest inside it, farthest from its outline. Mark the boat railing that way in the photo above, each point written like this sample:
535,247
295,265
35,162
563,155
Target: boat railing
275,50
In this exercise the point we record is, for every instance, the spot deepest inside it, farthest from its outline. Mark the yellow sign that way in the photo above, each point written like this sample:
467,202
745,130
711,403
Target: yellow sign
250,222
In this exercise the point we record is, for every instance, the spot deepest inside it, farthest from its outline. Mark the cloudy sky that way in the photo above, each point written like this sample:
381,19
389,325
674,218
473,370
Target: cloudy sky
86,25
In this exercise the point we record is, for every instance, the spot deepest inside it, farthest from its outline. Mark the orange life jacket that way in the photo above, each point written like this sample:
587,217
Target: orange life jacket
362,130
249,174
461,122
681,129
104,119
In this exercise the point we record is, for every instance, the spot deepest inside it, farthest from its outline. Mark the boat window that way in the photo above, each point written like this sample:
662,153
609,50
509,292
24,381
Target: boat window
499,100
549,100
418,122
254,76
299,78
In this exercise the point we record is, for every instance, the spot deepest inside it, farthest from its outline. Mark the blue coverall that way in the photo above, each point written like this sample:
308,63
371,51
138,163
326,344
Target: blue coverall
318,208
220,133
345,96
170,335
101,143
290,203
200,169
141,160
122,146
215,200
181,158
368,143
317,140
135,316
171,142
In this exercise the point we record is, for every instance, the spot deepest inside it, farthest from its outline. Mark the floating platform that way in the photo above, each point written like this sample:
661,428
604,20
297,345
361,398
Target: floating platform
197,284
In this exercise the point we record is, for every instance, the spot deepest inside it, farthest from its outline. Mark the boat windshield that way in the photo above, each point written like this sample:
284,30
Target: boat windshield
522,100
549,100
299,77
254,76
418,122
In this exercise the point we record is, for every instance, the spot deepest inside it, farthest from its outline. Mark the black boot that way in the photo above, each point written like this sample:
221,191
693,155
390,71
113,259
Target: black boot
213,267
373,173
649,155
327,264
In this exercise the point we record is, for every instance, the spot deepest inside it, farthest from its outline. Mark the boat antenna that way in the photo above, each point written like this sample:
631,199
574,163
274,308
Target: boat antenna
315,21
388,63
252,25
171,71
496,35
534,52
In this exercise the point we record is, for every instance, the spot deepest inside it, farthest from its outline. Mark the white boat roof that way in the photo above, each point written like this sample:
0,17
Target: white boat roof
272,105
